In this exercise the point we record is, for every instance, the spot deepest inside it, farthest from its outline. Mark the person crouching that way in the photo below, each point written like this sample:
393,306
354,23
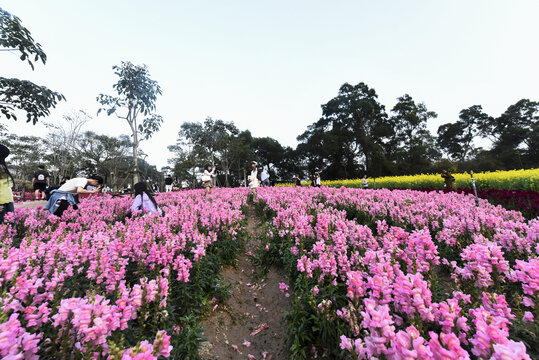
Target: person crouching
66,195
144,200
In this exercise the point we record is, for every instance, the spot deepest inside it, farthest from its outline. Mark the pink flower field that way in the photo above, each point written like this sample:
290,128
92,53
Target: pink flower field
97,285
374,274
382,274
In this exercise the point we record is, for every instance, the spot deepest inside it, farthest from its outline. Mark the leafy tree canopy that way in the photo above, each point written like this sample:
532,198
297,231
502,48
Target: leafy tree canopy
24,95
136,96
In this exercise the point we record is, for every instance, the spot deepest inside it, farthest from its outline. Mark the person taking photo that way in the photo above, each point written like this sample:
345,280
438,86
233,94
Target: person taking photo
254,177
66,195
207,178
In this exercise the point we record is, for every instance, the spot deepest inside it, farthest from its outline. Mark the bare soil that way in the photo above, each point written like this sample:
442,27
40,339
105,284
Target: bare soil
253,304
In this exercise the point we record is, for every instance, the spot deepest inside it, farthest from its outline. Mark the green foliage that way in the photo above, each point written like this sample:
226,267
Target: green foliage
13,35
412,148
24,95
354,126
187,342
136,95
35,100
457,138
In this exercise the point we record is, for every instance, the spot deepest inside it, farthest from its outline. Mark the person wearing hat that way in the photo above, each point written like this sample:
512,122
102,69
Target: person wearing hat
6,183
254,178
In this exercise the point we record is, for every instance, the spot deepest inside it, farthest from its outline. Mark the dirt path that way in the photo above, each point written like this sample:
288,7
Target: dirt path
253,305
31,204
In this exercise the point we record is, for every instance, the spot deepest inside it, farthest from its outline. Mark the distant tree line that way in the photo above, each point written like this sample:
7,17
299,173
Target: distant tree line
354,136
357,136
68,150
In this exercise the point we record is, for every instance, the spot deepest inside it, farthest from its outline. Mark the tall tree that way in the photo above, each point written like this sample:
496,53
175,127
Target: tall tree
211,142
412,147
105,155
24,95
184,161
62,143
515,134
354,129
26,153
269,151
137,95
241,154
457,139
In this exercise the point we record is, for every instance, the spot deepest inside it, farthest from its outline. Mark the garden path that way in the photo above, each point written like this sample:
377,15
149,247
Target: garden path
253,313
30,204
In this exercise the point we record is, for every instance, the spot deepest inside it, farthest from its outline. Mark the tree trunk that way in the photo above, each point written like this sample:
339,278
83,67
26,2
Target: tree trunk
135,159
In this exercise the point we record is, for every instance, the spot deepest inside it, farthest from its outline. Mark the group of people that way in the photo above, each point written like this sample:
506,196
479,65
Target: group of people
66,196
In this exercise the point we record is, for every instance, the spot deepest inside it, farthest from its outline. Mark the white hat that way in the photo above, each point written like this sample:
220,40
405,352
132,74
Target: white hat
254,162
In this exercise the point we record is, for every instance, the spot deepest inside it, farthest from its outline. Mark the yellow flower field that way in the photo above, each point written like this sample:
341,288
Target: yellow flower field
510,180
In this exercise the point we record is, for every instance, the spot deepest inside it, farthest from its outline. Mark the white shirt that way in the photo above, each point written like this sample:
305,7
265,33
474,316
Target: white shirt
253,178
318,180
208,175
264,175
71,185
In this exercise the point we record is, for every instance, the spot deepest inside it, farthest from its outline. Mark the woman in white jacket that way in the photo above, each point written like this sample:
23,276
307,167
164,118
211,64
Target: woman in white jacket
254,178
207,178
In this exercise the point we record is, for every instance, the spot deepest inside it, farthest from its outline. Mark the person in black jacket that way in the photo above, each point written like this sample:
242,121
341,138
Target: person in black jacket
168,183
40,182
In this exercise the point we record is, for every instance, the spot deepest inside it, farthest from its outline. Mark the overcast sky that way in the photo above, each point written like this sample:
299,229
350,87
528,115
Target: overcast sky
269,65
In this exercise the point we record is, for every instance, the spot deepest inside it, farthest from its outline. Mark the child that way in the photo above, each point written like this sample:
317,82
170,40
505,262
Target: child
207,178
144,201
6,183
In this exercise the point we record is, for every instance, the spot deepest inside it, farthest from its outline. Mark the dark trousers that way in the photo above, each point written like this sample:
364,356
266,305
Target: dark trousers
9,207
64,204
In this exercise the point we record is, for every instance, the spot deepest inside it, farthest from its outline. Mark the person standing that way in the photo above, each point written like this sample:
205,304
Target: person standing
168,183
365,183
6,183
298,180
254,177
207,178
65,196
40,182
265,178
448,180
317,181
